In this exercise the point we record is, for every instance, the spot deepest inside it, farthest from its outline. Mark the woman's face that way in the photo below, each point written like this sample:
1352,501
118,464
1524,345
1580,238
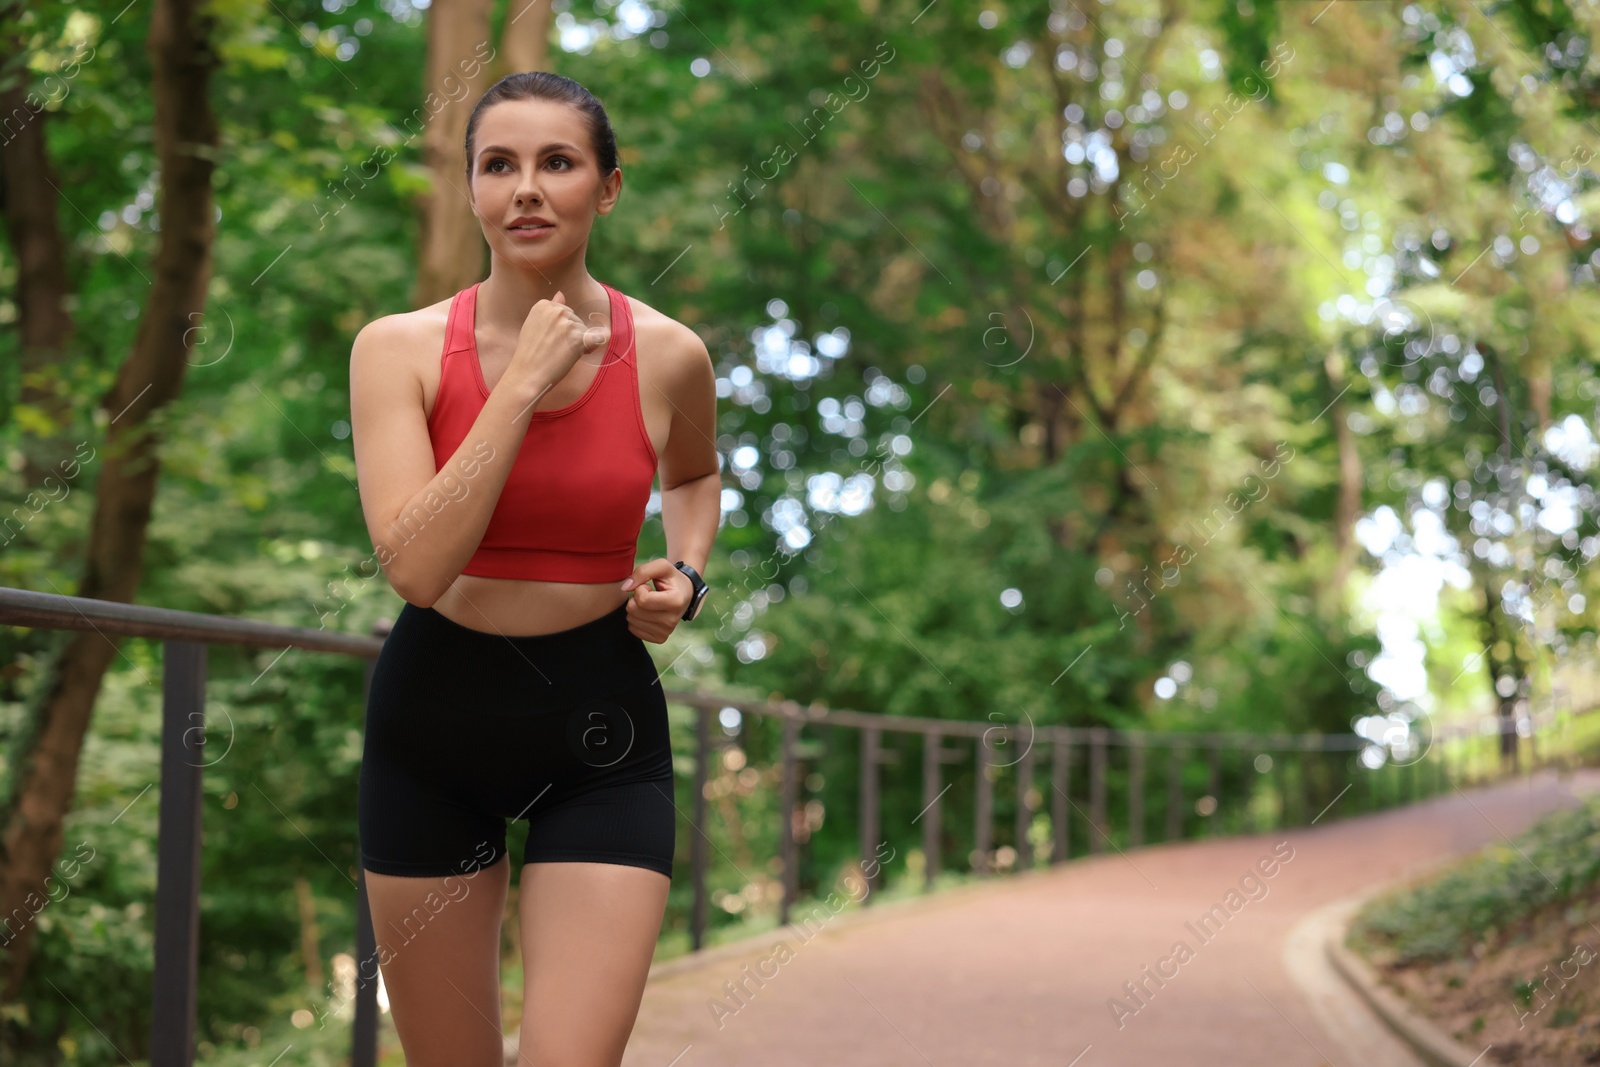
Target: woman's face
534,158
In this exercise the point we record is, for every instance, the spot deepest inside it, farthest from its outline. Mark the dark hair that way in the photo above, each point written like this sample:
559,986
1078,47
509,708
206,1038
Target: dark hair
543,85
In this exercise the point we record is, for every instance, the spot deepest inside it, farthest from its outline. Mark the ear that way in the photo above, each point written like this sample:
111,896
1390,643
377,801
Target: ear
610,190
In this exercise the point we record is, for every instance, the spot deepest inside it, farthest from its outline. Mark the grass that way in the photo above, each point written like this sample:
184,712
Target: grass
1484,898
1498,949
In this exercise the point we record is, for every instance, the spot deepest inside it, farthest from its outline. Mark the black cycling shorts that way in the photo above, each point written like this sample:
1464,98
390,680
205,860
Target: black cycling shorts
466,729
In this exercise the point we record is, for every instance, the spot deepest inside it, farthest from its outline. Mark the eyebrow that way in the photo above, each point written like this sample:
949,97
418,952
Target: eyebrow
559,146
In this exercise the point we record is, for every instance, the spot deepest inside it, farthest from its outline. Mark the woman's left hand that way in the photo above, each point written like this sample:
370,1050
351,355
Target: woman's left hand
661,594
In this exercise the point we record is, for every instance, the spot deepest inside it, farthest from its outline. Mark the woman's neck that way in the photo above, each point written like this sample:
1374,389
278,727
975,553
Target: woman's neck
506,296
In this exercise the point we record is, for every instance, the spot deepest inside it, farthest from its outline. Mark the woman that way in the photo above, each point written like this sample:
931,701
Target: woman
505,446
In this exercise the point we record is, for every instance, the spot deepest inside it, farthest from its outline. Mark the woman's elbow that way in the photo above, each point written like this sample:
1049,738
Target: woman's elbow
415,589
420,600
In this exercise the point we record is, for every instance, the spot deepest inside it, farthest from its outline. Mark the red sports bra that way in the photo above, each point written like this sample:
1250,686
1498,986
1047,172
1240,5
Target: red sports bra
574,502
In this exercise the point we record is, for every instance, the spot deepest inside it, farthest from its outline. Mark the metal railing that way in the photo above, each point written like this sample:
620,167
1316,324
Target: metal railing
186,636
1468,752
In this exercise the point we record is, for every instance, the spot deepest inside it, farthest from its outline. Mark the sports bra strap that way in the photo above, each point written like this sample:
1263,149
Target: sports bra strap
458,330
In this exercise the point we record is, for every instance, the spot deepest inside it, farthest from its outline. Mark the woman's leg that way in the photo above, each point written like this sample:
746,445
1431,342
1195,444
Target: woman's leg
588,934
439,950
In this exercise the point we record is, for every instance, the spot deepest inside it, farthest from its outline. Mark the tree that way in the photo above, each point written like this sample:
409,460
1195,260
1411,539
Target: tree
29,190
459,67
45,759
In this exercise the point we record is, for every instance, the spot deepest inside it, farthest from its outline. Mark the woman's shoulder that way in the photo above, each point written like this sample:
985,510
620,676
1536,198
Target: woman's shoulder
664,342
408,331
406,344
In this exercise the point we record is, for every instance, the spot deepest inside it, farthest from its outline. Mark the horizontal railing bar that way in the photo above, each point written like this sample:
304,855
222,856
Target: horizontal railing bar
21,607
1076,735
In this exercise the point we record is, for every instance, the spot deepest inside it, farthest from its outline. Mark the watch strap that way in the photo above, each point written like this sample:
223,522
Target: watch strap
700,589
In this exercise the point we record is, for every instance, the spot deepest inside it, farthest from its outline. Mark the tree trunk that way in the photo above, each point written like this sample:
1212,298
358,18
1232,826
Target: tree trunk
1508,666
28,187
45,760
1512,667
526,38
459,52
310,950
1348,504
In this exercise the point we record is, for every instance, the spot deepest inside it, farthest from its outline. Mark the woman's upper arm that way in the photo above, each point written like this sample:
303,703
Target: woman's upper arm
394,455
690,451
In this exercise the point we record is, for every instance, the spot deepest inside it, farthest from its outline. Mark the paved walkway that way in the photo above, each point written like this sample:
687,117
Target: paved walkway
1021,972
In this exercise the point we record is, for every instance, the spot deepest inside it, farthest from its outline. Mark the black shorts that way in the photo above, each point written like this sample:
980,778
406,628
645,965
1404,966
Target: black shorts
466,729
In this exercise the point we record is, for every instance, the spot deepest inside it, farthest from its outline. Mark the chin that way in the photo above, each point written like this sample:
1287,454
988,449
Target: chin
545,256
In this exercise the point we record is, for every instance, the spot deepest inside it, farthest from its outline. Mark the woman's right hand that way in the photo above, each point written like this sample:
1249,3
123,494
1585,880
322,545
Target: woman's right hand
552,340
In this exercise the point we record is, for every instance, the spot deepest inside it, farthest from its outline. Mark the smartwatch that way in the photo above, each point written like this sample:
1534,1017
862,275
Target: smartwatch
700,590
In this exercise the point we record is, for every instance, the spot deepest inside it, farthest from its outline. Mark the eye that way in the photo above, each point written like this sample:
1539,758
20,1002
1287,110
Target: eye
563,159
490,165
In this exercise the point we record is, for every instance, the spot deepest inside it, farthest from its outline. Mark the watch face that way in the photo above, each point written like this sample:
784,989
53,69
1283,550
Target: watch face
698,602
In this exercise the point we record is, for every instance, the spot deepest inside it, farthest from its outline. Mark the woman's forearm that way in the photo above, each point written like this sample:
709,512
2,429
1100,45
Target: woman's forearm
691,512
437,531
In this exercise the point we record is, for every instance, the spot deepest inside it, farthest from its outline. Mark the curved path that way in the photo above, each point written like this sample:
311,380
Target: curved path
1023,971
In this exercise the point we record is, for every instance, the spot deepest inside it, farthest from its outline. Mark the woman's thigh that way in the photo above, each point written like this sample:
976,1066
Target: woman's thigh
439,950
588,935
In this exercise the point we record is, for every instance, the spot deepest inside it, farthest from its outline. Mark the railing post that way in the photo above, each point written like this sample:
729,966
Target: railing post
789,848
697,840
1279,778
177,919
364,1028
1135,790
932,756
983,831
1302,789
1214,782
1061,790
1174,793
1097,788
1024,809
869,811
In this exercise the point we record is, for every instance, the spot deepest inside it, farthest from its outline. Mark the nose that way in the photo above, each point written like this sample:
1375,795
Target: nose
528,189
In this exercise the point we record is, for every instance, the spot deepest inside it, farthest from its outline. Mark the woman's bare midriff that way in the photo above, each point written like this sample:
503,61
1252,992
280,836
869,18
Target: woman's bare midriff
515,607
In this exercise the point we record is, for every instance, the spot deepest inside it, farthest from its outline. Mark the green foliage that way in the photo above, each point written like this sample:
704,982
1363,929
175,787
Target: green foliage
1487,896
1018,558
